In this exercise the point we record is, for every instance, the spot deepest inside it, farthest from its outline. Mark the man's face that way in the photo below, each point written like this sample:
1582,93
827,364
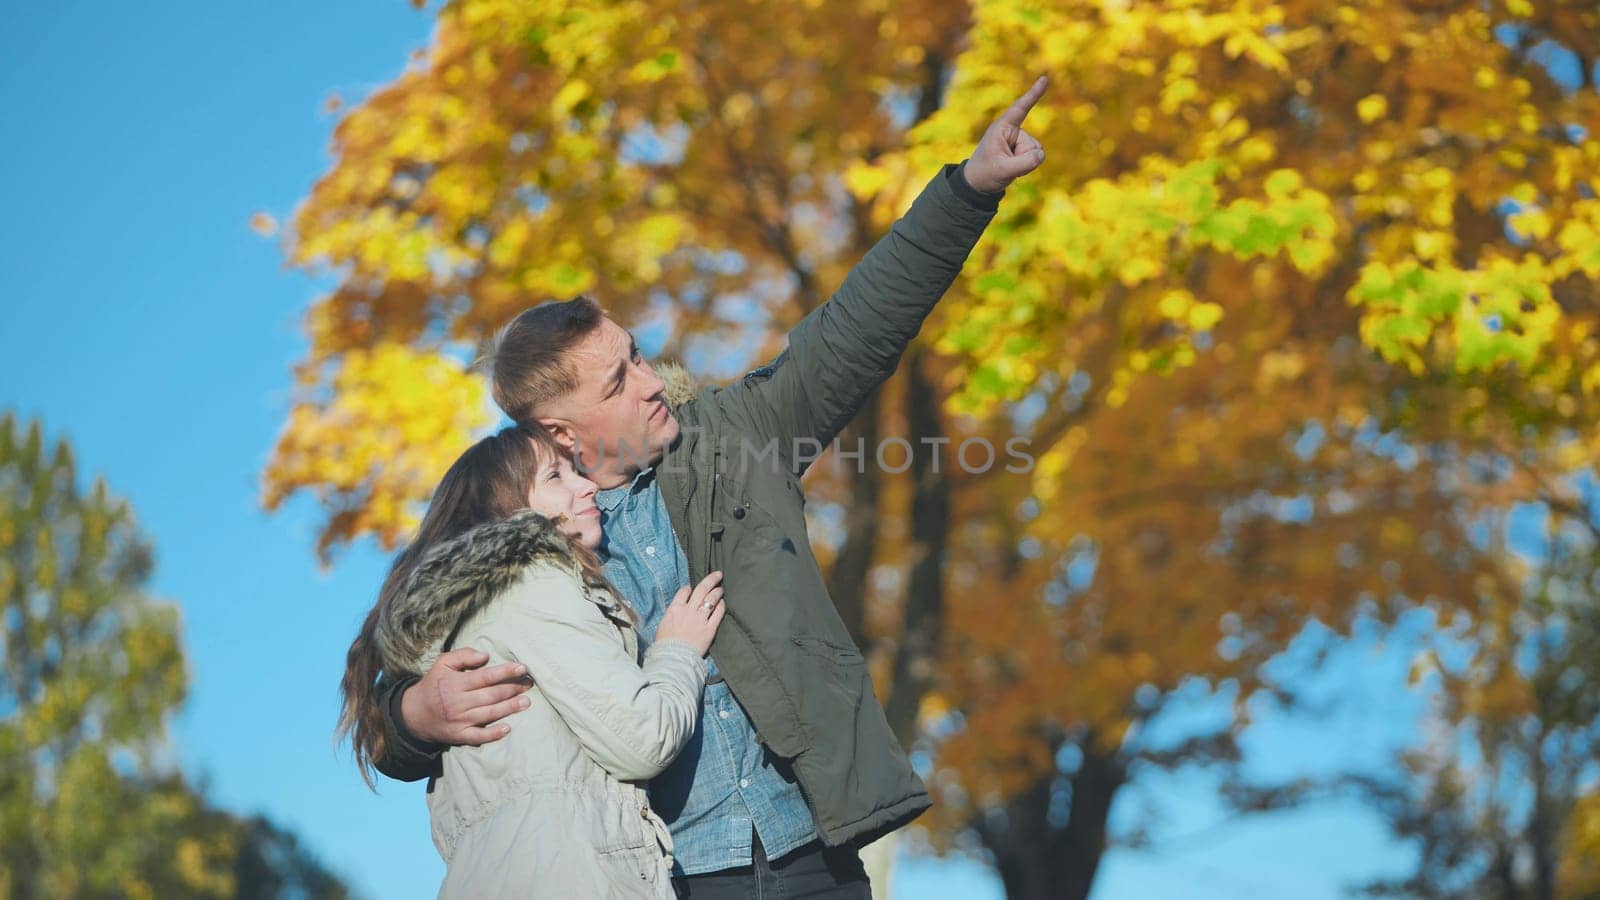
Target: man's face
617,416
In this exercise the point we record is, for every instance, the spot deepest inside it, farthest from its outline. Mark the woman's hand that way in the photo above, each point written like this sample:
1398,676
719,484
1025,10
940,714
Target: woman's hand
693,616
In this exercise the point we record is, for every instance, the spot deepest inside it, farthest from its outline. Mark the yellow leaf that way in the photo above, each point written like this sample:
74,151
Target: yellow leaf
1204,316
263,224
864,180
570,95
1372,107
1175,304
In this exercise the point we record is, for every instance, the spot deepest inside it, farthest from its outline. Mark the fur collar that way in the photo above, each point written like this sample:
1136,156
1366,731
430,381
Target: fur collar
460,577
680,385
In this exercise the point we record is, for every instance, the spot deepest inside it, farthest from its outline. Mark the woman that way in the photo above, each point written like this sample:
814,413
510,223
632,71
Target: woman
505,561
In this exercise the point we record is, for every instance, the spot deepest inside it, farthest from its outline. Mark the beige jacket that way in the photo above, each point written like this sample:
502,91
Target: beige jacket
558,807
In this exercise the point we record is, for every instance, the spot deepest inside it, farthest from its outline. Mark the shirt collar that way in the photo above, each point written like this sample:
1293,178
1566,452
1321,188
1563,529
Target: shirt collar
610,498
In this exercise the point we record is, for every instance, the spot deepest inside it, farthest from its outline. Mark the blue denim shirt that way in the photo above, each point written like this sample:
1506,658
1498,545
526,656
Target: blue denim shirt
724,783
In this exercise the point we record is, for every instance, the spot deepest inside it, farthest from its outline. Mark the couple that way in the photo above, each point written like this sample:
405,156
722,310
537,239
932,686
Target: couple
503,658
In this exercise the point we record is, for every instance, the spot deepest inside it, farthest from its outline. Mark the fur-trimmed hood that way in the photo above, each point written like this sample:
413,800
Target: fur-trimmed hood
680,385
461,576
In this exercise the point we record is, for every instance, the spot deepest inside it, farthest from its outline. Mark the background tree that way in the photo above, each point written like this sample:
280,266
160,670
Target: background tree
273,865
1303,291
1500,797
1278,475
92,668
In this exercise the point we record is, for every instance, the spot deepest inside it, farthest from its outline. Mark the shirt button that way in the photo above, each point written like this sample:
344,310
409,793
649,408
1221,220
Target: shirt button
744,782
723,714
649,551
644,812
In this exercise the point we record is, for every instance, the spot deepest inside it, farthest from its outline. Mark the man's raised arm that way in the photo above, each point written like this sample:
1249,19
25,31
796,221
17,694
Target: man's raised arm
845,348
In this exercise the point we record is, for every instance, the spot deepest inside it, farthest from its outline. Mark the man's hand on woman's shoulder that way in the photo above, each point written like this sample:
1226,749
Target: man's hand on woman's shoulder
459,701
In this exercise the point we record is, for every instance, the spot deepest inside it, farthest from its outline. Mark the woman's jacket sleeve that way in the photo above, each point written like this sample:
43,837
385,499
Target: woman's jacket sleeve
633,720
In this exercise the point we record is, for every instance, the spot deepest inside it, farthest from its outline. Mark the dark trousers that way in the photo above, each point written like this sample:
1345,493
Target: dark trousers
810,871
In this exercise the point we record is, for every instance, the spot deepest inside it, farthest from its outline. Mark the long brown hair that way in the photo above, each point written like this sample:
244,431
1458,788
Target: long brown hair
488,483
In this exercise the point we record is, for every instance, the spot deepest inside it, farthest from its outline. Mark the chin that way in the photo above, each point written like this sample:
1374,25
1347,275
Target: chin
668,431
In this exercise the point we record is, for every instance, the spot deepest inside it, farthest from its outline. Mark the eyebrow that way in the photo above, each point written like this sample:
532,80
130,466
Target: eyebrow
621,371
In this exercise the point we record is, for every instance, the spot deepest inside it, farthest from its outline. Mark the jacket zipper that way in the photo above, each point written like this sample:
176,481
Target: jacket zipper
688,502
713,543
714,529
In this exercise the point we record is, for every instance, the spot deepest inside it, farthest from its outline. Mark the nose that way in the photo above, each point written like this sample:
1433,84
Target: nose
653,384
582,487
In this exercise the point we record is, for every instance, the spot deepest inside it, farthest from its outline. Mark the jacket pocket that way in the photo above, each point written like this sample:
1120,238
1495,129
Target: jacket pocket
629,855
625,867
839,654
833,699
844,665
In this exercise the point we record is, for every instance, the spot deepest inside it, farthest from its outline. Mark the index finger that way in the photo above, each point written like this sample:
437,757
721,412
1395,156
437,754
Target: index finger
482,678
1018,111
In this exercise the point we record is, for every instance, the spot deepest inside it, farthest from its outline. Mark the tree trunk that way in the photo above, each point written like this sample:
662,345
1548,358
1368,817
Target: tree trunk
847,580
1542,837
1038,860
916,658
1504,875
1021,846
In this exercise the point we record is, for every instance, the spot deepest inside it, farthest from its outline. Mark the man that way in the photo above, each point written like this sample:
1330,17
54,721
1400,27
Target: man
793,765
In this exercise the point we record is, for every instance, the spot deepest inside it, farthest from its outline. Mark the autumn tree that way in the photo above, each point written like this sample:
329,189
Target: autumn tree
1302,291
1278,468
92,668
1355,238
1500,797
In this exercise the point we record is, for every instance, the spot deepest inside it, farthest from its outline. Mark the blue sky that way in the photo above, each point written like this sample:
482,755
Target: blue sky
144,321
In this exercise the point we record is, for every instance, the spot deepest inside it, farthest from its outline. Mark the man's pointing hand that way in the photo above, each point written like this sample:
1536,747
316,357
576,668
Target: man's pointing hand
1006,152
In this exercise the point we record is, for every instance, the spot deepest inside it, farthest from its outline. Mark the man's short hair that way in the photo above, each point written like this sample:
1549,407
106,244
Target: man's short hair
529,361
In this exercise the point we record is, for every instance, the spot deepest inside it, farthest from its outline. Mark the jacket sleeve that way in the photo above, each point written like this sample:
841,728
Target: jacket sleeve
405,757
849,345
632,720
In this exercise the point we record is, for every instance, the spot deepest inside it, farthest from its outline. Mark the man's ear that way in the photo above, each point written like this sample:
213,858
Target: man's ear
560,429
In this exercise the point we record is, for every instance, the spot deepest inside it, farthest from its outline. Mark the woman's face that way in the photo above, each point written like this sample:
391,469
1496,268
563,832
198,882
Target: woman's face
561,494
